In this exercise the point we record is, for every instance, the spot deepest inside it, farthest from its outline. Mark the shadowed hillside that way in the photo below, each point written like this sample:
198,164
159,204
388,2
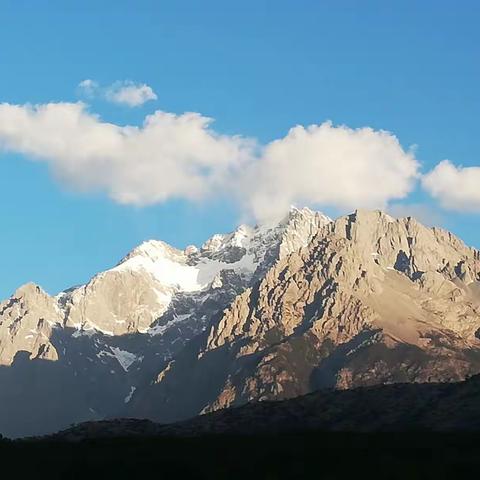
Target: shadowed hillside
414,431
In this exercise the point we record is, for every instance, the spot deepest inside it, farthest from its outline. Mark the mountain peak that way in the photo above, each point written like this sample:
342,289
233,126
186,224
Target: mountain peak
29,289
152,249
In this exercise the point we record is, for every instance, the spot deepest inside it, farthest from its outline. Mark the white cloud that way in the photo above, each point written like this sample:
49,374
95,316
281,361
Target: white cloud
456,188
169,156
181,156
129,93
329,166
88,87
123,92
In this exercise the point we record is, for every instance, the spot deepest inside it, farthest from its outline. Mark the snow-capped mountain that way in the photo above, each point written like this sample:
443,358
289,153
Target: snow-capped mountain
265,312
135,294
128,321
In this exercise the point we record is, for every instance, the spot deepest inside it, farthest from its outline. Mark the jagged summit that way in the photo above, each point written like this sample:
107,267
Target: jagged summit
153,249
28,289
406,245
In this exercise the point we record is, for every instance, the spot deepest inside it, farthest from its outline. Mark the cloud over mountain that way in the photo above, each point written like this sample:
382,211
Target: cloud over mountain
181,156
169,156
334,166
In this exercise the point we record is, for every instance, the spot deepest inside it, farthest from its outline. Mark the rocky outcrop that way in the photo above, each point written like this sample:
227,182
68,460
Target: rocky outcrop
26,322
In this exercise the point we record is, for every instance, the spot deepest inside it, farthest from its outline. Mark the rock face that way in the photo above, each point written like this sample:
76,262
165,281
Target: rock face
369,300
266,312
26,322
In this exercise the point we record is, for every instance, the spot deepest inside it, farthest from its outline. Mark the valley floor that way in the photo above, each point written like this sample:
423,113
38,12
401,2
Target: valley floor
406,455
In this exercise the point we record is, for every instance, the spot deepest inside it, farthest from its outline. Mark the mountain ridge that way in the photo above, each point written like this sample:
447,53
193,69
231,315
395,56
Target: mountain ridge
263,313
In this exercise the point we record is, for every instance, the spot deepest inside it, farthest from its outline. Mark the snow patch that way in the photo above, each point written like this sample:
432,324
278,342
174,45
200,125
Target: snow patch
129,396
80,332
125,359
172,270
161,329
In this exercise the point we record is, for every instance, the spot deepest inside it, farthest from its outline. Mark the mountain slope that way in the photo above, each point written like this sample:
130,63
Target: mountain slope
429,407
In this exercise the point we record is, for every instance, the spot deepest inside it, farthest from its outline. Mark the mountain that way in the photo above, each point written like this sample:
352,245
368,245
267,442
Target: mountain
369,300
82,354
263,313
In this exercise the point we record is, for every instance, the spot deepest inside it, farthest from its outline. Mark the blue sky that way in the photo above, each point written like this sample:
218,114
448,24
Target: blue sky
258,68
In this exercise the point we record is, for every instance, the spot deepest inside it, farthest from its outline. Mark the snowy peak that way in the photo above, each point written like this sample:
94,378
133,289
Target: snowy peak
300,226
242,250
168,265
154,250
239,238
